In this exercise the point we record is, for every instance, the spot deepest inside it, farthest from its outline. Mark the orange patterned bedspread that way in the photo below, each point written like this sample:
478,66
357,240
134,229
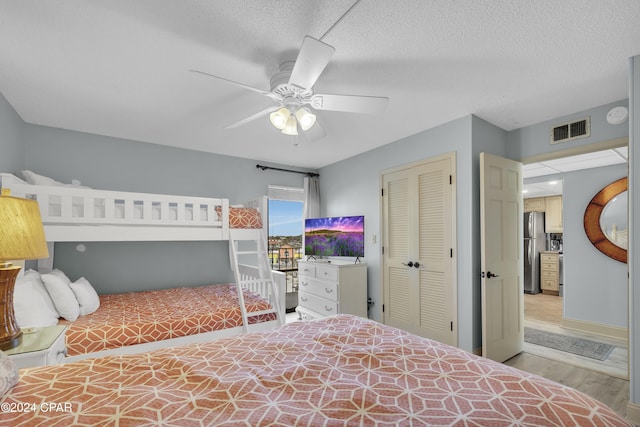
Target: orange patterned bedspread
338,371
140,317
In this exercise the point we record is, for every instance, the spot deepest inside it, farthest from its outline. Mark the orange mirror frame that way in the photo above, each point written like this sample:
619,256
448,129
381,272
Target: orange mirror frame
592,220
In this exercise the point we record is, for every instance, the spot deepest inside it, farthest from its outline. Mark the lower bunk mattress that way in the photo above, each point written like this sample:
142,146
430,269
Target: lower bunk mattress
342,370
149,316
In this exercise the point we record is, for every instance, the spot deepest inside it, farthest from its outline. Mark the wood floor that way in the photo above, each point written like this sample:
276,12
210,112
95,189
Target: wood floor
600,380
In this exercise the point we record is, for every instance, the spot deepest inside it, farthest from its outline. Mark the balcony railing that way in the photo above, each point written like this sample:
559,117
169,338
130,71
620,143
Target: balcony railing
285,259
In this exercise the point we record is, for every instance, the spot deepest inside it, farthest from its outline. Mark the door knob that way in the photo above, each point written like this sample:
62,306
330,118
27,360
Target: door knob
416,264
490,275
409,264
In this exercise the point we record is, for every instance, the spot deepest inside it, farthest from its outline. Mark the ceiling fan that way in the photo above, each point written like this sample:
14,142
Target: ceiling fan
292,90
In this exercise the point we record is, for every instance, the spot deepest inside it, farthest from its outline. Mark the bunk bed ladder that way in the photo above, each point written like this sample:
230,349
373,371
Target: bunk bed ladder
264,283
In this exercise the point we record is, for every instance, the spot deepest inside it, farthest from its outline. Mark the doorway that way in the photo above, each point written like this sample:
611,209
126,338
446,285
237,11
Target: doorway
285,244
577,310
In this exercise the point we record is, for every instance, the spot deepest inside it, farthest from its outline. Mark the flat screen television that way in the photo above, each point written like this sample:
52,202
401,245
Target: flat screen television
340,236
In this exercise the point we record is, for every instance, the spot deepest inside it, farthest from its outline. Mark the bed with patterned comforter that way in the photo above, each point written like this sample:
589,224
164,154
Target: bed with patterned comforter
149,316
342,370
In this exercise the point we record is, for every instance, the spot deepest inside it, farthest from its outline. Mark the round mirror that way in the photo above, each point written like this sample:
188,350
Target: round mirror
613,220
605,220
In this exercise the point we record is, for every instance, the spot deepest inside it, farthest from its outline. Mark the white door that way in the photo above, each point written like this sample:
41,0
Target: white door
418,263
501,257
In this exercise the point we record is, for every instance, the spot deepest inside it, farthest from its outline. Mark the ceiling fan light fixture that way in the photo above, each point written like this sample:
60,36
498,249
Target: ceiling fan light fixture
291,128
306,118
279,118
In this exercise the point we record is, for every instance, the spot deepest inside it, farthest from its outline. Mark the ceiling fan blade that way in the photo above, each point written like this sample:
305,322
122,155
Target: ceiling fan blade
253,117
349,103
312,59
315,133
233,82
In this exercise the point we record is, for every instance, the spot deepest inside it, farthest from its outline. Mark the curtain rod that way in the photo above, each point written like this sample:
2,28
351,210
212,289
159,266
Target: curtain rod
309,174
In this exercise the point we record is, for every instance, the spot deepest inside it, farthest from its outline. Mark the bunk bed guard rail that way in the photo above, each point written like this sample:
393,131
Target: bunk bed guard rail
123,216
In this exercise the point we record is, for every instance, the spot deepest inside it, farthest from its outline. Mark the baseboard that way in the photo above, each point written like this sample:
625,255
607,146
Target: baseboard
633,412
607,331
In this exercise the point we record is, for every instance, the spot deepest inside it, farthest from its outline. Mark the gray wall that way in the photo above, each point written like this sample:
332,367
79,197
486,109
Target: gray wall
11,138
115,164
353,187
595,287
534,140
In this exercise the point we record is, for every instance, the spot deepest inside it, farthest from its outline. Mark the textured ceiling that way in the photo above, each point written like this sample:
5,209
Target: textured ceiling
120,68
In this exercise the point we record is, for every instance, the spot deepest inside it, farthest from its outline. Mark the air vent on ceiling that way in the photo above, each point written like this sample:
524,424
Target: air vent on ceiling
567,131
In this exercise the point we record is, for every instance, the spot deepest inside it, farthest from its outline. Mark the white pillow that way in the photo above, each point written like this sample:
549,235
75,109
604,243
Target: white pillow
33,272
85,294
35,179
32,304
63,298
61,275
8,373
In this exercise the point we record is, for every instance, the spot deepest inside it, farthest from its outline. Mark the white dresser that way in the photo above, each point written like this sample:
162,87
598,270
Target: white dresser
338,287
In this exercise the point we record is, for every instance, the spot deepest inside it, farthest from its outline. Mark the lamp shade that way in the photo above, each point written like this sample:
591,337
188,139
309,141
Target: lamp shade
306,118
21,230
279,118
291,128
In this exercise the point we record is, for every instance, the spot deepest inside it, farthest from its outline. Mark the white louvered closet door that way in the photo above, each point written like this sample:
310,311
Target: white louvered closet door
419,289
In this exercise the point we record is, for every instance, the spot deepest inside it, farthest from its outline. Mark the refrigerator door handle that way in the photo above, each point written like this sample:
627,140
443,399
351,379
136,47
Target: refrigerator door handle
529,251
530,225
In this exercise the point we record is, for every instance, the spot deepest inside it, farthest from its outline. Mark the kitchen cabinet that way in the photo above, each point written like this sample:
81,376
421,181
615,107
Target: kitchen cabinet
551,206
534,204
550,273
553,214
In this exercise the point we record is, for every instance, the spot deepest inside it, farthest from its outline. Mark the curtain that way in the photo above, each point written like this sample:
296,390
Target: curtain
311,197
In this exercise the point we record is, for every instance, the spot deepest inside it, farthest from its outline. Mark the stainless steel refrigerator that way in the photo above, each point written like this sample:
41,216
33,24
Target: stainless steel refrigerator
534,242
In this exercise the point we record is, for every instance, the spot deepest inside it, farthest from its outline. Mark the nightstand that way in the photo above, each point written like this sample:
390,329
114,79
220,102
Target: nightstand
40,347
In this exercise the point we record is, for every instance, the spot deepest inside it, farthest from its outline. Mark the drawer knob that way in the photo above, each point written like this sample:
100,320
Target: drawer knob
303,299
325,273
328,290
328,308
304,283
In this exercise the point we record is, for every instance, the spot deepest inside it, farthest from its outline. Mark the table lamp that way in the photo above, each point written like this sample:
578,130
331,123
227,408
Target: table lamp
21,238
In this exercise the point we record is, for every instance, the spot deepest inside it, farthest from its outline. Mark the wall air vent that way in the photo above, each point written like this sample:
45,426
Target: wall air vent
568,131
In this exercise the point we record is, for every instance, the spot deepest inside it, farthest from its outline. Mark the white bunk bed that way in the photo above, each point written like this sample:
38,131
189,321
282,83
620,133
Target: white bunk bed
80,214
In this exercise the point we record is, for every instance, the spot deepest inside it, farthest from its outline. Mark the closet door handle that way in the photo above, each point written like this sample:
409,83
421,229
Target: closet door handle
409,264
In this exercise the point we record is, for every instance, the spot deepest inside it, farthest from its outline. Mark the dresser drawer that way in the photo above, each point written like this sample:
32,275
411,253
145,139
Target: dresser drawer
549,266
327,273
307,270
549,273
550,284
320,288
549,258
317,304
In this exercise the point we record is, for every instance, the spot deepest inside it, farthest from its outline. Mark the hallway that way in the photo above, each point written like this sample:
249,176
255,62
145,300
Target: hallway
544,312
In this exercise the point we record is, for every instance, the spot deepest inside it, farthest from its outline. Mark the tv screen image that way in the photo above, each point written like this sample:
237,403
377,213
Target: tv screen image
334,236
